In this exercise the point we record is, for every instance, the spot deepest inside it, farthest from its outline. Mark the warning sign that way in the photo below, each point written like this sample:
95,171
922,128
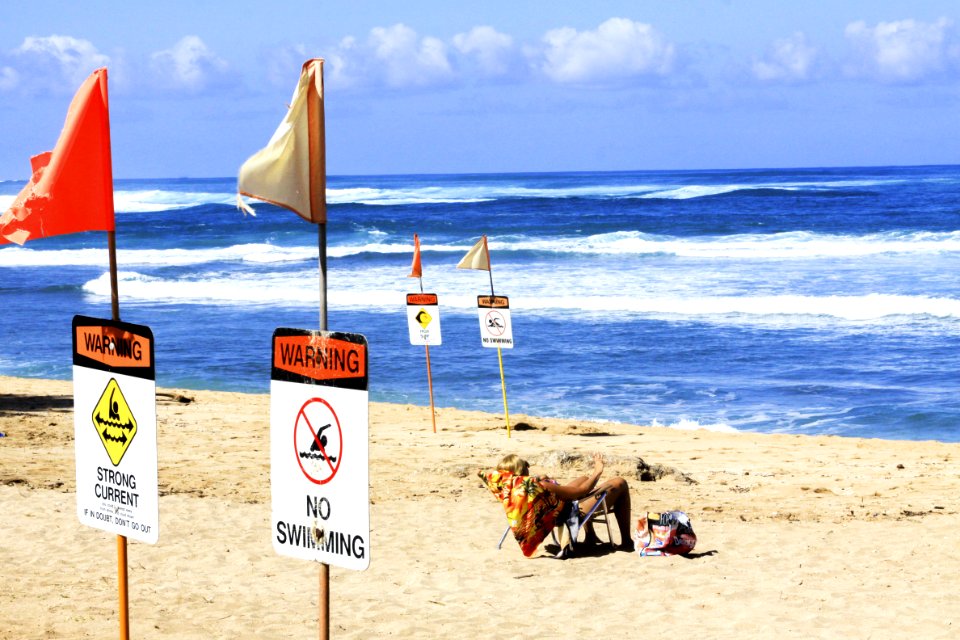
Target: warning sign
114,422
319,451
495,328
423,318
115,428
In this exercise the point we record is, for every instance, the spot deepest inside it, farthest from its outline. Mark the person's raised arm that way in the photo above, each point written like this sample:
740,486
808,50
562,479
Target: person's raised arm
580,487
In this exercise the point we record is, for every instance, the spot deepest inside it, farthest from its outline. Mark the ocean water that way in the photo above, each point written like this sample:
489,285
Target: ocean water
814,301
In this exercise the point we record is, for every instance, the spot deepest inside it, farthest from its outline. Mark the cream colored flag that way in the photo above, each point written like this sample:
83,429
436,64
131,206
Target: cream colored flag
291,170
477,258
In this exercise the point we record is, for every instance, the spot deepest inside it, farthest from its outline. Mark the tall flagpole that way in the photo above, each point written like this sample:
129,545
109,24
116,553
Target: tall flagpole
433,413
503,388
503,380
318,180
322,246
123,591
486,250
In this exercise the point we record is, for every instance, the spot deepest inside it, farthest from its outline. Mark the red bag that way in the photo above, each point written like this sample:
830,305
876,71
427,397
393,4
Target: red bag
664,534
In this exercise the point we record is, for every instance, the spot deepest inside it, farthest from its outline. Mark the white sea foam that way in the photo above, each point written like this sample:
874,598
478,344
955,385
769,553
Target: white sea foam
486,192
257,253
687,192
794,245
685,424
149,200
297,288
870,307
786,245
254,252
695,191
238,289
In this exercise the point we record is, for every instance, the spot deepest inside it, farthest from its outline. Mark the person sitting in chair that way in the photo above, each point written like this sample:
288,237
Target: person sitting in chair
536,504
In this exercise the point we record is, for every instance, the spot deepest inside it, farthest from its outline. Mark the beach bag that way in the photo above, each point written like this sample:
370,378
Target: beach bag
664,534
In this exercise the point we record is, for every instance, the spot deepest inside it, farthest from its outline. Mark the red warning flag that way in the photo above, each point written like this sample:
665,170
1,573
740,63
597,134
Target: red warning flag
416,271
71,189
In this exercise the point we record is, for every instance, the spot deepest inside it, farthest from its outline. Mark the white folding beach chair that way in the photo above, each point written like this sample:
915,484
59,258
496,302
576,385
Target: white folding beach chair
571,526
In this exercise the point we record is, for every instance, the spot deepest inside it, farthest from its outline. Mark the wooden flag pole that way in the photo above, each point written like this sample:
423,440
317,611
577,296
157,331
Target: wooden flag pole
122,585
123,592
323,599
318,188
114,290
322,244
433,414
486,250
503,380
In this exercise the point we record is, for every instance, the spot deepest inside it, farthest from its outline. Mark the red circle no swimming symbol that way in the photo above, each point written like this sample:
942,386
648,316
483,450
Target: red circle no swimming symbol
319,449
496,324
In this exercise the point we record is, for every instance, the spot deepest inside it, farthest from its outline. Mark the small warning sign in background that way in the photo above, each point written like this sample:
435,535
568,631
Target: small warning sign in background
423,318
319,449
495,328
115,428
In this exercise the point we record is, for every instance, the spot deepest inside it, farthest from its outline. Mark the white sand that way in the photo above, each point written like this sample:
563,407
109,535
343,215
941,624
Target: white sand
799,537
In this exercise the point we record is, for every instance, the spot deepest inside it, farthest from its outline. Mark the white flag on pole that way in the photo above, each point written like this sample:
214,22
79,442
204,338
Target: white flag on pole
477,258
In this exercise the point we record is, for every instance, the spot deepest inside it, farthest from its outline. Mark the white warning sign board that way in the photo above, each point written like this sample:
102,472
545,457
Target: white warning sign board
115,428
496,332
319,447
423,318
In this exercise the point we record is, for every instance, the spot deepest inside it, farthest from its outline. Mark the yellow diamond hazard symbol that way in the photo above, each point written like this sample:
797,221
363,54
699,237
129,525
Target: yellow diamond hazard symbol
114,422
423,318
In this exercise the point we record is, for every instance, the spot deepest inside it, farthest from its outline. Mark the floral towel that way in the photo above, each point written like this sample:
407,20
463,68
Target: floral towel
532,511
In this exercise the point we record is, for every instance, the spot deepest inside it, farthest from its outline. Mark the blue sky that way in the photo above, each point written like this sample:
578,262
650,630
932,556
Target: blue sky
440,87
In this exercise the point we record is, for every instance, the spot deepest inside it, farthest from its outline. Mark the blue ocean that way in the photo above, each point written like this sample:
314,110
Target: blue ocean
807,301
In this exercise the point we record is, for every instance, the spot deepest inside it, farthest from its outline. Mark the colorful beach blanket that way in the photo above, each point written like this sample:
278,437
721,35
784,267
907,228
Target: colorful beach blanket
532,511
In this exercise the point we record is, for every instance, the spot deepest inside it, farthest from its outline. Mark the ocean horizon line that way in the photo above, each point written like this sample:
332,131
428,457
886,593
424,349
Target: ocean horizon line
536,172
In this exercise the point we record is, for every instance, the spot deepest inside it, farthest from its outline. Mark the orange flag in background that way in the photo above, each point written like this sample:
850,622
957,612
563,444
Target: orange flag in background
71,189
416,271
291,170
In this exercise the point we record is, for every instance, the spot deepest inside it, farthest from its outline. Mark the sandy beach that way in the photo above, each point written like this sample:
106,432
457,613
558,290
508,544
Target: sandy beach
799,536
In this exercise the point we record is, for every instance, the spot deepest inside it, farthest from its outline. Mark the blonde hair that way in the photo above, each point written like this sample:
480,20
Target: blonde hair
514,464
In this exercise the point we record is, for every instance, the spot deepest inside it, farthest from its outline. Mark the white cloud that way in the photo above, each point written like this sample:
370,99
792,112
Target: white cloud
789,59
189,65
54,63
8,78
283,65
619,48
398,57
902,51
406,59
343,65
491,49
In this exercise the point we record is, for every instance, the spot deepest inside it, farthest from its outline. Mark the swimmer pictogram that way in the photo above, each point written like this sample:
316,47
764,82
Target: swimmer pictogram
496,324
114,422
318,441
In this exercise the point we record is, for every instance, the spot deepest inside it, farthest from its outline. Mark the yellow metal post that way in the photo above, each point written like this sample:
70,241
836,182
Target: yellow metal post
503,387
